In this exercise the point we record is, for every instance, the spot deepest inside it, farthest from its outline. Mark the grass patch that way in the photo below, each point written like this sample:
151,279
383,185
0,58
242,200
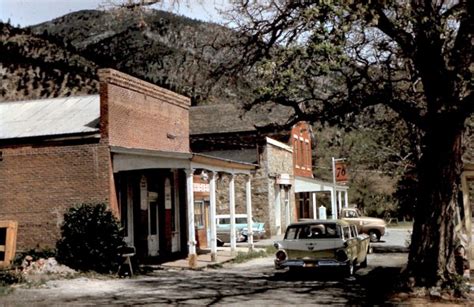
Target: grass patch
8,278
5,290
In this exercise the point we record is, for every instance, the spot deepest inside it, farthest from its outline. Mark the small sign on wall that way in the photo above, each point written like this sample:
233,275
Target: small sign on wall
201,187
284,179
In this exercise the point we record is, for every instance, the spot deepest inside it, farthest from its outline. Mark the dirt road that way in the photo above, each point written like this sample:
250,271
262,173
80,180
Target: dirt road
253,282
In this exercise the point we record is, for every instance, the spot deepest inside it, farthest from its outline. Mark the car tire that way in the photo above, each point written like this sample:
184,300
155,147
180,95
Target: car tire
374,235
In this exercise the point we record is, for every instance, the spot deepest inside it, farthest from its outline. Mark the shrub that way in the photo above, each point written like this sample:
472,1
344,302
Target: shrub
90,237
9,277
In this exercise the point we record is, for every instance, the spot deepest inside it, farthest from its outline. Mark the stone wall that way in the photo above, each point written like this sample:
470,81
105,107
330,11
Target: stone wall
275,159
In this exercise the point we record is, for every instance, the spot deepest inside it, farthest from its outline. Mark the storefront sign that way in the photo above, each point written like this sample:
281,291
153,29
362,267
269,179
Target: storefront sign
201,187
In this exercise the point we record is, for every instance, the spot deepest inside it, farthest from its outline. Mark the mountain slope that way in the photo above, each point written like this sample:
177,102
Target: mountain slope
171,51
32,67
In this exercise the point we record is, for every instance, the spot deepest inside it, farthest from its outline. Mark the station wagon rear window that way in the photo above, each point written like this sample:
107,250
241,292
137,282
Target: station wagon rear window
313,231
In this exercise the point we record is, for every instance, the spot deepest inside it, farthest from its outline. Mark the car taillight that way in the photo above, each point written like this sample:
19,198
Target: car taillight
280,255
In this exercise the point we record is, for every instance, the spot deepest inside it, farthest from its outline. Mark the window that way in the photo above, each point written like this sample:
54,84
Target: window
291,233
308,155
199,214
347,232
241,220
301,154
224,221
354,231
295,152
350,213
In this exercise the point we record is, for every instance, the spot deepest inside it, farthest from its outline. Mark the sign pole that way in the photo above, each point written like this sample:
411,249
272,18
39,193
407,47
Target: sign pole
333,200
341,173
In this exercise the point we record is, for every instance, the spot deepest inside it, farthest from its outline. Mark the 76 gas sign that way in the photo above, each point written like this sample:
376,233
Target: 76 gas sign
341,171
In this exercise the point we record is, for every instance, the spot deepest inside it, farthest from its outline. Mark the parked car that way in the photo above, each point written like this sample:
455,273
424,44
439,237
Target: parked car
223,227
223,236
322,243
374,227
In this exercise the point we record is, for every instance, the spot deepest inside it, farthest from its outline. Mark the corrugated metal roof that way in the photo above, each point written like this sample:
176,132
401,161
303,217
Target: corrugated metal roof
48,117
225,118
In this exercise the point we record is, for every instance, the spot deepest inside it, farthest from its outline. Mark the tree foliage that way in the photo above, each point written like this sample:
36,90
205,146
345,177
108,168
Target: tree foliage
330,60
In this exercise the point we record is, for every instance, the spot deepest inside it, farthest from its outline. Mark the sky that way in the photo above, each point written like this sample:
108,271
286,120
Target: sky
31,12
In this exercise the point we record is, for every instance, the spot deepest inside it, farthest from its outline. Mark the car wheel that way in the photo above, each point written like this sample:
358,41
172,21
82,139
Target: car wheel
374,236
349,269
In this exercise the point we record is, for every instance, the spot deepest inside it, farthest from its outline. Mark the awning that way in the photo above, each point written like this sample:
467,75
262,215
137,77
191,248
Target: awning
304,184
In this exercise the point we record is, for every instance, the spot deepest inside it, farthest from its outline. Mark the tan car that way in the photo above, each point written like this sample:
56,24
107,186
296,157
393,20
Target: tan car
322,243
374,227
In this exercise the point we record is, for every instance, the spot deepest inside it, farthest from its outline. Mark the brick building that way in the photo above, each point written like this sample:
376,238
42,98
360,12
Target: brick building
127,147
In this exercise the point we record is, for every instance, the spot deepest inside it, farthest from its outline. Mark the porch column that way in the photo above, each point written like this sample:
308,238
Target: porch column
339,201
346,199
248,202
333,204
277,210
315,216
286,199
192,256
233,242
212,198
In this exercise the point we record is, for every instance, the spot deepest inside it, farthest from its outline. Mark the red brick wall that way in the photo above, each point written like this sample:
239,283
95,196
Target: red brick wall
137,114
37,184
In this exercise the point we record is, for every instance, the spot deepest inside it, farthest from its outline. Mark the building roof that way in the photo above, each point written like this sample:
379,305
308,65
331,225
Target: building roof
227,118
49,117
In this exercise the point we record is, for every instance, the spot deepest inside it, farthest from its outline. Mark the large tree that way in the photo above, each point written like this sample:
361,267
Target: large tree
331,59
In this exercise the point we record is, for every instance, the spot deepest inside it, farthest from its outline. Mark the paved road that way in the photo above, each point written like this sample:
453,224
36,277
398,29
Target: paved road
254,282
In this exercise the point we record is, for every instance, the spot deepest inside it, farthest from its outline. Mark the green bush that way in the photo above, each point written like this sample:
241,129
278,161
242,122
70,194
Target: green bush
90,238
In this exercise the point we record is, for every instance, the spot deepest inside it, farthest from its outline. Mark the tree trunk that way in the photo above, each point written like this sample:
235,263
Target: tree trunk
434,240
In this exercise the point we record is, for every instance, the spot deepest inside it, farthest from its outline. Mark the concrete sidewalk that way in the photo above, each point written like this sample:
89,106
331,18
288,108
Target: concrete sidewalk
223,255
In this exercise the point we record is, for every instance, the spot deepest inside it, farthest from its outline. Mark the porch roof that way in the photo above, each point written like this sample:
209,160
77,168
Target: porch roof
220,164
305,184
127,159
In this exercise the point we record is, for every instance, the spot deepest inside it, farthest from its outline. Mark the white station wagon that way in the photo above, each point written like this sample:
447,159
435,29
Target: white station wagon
322,243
